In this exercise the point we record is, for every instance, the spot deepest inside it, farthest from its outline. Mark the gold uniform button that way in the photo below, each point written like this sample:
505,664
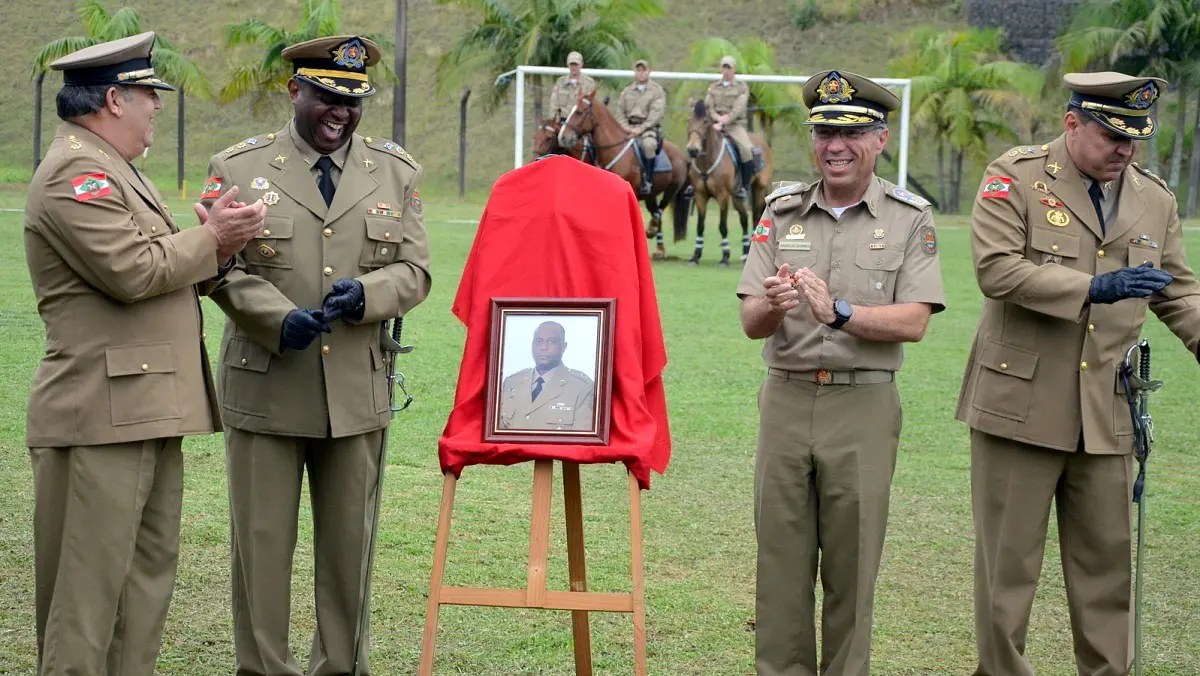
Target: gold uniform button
1100,253
145,367
324,349
328,271
203,336
1091,328
367,139
270,137
1083,366
266,233
1054,247
327,232
1003,367
154,228
243,362
387,235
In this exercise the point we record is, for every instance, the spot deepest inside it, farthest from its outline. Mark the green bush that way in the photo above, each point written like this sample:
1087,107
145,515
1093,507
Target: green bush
804,13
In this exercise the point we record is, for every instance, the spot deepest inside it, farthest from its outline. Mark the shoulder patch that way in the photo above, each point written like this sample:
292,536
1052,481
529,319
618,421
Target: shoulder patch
1026,152
261,141
929,240
908,198
1153,177
90,186
390,148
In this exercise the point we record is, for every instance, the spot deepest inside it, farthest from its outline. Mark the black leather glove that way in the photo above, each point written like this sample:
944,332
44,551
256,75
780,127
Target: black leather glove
300,327
347,299
1138,282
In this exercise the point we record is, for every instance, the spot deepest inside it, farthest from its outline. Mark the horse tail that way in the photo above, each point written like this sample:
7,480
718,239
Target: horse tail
681,207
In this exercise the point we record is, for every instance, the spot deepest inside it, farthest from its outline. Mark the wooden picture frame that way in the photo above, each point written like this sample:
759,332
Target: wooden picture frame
525,335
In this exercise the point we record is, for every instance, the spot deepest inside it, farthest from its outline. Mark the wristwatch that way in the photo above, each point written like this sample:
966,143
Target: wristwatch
843,310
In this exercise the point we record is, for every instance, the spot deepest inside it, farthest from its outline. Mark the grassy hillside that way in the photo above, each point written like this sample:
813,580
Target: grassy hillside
852,35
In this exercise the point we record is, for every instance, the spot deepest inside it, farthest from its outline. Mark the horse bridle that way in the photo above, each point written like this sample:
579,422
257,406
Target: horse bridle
580,133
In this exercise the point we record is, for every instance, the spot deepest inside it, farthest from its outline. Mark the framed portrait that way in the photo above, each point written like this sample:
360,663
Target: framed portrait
549,375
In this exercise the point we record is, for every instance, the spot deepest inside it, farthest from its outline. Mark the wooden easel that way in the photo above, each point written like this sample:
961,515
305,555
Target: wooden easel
535,595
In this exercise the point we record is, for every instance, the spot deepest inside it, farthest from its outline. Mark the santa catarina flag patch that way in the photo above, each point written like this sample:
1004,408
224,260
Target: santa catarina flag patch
762,231
212,188
91,186
996,187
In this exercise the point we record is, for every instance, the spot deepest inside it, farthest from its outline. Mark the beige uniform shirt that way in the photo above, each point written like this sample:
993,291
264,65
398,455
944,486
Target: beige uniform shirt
727,100
882,251
643,108
566,401
1043,365
116,284
564,94
374,232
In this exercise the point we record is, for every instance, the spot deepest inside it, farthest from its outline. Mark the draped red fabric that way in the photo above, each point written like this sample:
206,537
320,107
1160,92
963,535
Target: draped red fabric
559,228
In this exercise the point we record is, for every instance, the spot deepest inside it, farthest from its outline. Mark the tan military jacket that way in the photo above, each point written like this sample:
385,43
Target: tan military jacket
731,100
1044,361
373,231
566,402
641,109
564,94
114,278
882,251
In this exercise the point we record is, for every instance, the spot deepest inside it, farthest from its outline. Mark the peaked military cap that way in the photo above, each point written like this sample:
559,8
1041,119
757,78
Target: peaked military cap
1117,101
337,63
117,62
845,99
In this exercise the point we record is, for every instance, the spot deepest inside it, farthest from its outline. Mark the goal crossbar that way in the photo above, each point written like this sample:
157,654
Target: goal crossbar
521,71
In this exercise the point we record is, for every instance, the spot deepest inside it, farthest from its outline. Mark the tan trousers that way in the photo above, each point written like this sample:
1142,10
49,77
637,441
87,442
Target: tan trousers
1012,485
649,142
265,474
822,478
106,538
738,134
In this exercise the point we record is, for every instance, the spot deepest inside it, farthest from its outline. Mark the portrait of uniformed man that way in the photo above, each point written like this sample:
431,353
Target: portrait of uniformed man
125,375
1072,243
841,274
548,395
303,376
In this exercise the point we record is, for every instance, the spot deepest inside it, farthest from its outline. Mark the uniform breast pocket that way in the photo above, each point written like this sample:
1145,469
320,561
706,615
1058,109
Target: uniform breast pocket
272,248
151,224
382,245
795,259
1143,253
877,269
1053,246
141,383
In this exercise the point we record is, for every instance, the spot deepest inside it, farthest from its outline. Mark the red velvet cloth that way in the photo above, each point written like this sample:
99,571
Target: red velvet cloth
559,228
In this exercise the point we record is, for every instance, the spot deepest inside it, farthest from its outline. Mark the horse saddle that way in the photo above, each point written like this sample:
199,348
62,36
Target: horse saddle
662,163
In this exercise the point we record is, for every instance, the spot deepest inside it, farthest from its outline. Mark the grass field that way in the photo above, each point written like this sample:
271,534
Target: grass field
698,521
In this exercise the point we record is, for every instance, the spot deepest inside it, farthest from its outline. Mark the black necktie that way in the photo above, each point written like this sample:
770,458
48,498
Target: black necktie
537,388
325,180
1097,197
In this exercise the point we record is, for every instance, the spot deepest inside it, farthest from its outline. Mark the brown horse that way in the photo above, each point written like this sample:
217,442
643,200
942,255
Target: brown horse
614,151
714,174
545,142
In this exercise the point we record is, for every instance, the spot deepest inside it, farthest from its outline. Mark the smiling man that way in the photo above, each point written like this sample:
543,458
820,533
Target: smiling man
303,382
1072,243
548,396
841,273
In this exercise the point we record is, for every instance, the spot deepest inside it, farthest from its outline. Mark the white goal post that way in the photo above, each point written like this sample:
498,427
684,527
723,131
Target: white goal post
521,71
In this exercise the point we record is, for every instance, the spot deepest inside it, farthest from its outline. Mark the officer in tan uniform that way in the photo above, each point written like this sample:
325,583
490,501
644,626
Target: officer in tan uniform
726,103
302,380
840,274
548,396
125,376
1071,244
568,88
640,112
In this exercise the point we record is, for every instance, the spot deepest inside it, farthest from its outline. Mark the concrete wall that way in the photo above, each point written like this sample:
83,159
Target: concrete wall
1031,25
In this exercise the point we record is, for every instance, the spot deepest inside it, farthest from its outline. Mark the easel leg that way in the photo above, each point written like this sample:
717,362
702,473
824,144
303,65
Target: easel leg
539,534
639,600
576,562
429,641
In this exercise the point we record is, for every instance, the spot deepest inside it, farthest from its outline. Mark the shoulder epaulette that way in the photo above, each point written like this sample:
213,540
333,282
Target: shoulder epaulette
580,375
251,143
1153,177
390,148
783,188
902,195
1026,152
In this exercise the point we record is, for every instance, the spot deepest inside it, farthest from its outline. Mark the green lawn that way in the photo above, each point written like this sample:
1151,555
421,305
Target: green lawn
698,522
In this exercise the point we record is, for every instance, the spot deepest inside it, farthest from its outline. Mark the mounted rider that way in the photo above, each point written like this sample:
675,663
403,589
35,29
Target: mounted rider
640,112
568,88
726,103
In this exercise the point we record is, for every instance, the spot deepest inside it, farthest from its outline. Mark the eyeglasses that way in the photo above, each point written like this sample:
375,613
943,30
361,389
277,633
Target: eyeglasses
827,134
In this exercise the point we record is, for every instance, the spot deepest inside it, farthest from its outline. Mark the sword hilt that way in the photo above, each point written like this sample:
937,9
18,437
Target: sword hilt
1144,360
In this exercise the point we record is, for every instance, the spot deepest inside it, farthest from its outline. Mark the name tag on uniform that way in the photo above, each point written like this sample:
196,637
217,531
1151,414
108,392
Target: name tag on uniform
559,407
795,246
877,245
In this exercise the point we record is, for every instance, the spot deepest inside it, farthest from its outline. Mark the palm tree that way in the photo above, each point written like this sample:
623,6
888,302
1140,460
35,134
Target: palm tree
539,33
100,25
1158,38
964,93
771,102
268,74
